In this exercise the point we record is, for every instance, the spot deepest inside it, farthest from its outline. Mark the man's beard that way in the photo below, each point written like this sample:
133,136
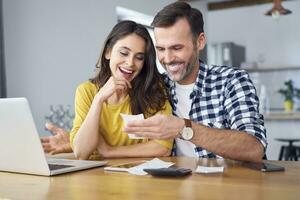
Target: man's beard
188,69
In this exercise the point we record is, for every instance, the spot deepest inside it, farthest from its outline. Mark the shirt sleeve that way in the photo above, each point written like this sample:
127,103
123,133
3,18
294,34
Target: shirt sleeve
241,105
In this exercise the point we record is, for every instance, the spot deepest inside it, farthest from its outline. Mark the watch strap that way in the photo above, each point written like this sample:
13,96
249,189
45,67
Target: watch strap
188,123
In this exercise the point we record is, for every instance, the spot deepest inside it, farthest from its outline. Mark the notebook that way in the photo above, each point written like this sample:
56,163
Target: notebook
21,150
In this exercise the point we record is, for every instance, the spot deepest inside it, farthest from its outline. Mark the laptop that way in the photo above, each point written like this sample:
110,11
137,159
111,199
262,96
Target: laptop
20,147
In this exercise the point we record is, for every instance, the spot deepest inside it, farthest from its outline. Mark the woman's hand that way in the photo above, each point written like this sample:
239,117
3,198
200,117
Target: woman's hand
113,85
59,142
103,148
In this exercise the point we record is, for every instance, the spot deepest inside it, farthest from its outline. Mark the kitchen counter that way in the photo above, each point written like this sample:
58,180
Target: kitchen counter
282,116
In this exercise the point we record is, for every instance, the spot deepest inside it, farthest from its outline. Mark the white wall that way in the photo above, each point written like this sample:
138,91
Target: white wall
275,42
52,45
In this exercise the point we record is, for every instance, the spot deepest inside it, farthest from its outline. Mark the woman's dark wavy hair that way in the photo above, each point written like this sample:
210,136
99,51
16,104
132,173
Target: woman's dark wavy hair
148,94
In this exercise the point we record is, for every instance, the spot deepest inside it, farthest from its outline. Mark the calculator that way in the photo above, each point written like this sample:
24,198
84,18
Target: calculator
177,172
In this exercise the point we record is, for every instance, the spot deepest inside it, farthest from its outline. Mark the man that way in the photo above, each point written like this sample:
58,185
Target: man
215,107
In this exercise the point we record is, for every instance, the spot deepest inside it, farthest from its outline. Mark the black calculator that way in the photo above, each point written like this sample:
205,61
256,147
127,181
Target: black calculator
177,172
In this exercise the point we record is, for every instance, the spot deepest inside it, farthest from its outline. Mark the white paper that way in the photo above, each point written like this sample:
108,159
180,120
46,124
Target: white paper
128,118
185,148
206,170
151,164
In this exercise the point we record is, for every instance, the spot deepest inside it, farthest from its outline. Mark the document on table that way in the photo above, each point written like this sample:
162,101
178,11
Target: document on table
127,118
207,170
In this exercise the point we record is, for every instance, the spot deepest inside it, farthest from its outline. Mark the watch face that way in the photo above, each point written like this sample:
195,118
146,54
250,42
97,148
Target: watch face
187,133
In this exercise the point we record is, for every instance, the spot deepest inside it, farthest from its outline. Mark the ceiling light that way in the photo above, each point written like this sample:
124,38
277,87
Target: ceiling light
277,10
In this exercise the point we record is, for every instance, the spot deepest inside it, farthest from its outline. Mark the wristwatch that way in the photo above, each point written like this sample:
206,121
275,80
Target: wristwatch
187,132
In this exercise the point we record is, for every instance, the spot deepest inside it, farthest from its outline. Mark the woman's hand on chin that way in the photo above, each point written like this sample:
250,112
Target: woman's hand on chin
113,85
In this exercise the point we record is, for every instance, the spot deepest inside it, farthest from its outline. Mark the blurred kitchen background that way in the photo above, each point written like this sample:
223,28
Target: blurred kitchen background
48,47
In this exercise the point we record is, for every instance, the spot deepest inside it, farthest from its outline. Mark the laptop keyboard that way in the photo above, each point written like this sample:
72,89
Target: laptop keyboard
54,166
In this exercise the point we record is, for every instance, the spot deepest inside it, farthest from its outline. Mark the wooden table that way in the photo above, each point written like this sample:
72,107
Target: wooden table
235,183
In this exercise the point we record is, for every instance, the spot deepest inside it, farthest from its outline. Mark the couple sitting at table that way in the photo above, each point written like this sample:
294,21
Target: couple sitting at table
215,108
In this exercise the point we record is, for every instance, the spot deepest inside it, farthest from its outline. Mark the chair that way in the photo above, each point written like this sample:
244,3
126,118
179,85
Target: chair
290,152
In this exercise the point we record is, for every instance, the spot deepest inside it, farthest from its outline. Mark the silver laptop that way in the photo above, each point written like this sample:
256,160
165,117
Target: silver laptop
20,147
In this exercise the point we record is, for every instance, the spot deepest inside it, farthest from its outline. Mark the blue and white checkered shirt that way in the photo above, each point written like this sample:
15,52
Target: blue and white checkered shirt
224,98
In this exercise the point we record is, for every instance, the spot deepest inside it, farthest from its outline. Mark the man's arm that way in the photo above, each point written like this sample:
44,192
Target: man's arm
232,144
244,137
236,145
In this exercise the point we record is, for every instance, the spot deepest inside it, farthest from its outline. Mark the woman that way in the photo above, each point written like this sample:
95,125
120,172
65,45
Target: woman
127,82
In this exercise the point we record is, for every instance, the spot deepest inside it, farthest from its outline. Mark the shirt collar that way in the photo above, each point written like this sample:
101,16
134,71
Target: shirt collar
200,81
198,88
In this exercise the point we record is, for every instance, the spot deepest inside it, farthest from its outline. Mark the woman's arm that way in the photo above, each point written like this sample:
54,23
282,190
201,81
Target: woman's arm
87,137
148,149
58,142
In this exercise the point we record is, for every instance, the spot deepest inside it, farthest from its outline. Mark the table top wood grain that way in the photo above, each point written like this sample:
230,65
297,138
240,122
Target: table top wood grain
236,182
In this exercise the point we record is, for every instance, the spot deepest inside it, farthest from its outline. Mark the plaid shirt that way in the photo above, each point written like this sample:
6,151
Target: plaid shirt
223,98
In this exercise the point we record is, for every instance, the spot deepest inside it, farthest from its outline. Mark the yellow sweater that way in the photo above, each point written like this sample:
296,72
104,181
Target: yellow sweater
111,123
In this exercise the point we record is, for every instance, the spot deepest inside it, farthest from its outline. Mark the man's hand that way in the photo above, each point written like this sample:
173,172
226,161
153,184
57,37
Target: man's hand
156,127
59,142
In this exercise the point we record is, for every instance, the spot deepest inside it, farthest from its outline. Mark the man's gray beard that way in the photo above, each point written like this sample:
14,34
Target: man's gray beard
188,71
189,68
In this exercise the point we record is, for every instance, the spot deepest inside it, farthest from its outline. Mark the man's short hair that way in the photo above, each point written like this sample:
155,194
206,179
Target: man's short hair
169,15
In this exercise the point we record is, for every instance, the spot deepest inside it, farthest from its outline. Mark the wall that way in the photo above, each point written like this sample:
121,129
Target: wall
52,46
270,43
